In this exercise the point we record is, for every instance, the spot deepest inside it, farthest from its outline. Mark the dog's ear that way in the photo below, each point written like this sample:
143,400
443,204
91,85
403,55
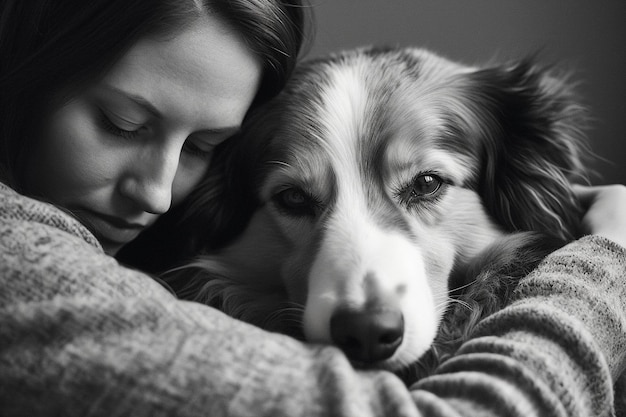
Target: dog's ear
531,149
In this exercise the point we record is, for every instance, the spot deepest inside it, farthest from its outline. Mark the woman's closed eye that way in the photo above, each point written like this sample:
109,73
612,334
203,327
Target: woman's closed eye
203,152
202,144
189,147
199,146
125,132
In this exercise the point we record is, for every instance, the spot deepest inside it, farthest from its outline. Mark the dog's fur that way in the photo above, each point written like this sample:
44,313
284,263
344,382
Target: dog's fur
377,183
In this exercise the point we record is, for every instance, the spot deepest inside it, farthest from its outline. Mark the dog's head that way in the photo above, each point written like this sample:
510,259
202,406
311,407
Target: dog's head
375,174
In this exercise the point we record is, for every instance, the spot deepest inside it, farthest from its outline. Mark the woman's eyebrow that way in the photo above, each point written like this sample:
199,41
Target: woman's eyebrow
139,100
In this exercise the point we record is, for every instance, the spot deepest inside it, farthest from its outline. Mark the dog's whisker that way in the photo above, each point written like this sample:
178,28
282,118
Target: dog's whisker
462,302
461,287
281,163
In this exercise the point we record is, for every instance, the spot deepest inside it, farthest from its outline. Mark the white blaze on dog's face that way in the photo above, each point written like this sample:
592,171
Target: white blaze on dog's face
365,185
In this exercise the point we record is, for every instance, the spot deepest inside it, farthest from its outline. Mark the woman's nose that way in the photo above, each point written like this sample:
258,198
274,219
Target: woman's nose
150,179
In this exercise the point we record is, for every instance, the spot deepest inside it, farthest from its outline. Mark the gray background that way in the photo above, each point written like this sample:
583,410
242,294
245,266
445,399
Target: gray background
585,36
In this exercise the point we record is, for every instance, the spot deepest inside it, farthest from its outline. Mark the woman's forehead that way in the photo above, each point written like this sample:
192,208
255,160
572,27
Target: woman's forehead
205,77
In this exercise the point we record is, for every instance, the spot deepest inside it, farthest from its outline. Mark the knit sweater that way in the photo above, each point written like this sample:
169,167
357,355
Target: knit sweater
81,335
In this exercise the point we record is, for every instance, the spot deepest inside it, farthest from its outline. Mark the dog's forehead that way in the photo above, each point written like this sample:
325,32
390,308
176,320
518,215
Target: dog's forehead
353,130
381,108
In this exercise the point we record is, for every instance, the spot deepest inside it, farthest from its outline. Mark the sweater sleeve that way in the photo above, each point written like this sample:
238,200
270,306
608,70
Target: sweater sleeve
556,350
81,335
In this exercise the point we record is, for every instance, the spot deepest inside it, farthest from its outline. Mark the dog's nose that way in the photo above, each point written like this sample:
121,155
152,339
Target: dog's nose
368,335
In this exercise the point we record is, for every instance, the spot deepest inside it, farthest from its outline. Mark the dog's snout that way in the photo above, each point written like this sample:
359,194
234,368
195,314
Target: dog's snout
367,335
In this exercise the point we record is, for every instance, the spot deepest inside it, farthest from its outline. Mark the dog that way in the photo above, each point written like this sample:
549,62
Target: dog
387,199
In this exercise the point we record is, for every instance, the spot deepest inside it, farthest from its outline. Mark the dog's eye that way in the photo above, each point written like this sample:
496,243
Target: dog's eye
422,187
425,185
295,202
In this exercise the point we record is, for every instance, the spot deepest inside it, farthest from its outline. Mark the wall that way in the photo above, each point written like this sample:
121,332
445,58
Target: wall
586,36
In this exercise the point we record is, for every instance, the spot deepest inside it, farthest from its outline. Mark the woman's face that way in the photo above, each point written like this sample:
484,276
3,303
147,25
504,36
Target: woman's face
123,151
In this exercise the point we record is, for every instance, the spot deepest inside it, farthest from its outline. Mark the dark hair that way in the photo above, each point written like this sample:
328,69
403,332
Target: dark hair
51,46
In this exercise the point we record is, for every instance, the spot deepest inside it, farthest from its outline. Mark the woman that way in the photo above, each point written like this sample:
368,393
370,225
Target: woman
141,82
110,111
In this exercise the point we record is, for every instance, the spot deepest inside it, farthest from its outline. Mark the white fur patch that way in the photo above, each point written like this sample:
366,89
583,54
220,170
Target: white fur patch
355,253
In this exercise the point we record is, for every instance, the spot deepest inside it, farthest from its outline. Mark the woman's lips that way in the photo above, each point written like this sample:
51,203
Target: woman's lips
110,228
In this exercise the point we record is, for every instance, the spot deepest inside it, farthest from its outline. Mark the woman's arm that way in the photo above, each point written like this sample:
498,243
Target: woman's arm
555,350
81,335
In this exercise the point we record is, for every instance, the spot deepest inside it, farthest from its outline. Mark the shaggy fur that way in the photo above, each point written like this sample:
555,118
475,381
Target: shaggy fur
386,200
